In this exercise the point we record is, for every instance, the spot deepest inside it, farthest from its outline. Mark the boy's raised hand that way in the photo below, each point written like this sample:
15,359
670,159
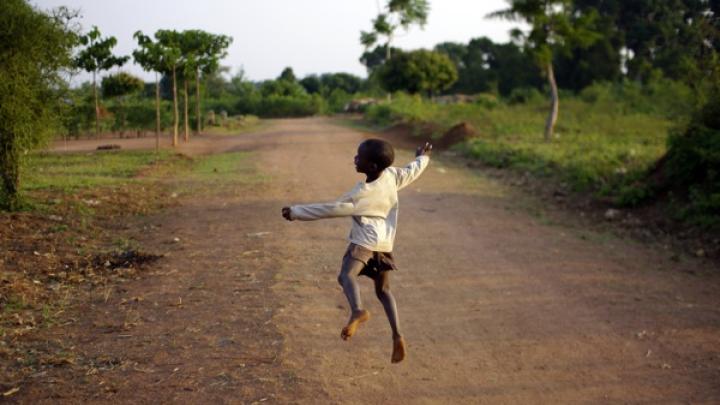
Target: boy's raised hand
286,213
424,150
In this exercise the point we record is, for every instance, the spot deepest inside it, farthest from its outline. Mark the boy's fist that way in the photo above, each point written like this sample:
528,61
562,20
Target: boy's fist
286,213
424,150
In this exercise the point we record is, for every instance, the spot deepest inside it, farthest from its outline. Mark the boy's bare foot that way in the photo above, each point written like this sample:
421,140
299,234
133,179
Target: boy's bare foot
355,320
398,349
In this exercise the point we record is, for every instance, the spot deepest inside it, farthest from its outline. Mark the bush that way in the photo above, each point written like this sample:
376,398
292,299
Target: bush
291,106
525,95
693,166
487,100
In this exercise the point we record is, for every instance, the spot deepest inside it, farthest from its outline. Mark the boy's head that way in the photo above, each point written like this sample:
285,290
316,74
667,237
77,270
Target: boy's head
374,156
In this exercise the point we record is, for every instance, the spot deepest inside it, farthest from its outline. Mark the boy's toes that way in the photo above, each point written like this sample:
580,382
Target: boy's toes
398,354
355,321
345,334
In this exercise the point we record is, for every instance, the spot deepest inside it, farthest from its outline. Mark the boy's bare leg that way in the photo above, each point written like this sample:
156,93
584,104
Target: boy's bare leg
348,280
382,290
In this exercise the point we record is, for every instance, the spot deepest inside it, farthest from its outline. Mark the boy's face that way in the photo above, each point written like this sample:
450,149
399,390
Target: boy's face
362,162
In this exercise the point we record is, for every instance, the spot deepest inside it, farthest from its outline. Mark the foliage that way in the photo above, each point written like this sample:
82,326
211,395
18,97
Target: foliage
375,57
288,75
97,54
485,66
418,71
599,148
693,166
34,49
275,105
121,84
327,83
397,14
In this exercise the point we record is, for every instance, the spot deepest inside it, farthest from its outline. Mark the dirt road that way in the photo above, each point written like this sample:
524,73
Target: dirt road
497,305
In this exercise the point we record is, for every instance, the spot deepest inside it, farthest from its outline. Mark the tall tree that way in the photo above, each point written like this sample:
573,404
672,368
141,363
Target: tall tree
35,49
151,57
554,27
97,56
397,14
202,52
170,44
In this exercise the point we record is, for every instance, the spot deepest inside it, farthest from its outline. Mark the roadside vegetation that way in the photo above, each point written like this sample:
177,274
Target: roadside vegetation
72,241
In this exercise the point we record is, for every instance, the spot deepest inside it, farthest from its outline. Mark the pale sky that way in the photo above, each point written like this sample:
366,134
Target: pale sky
311,36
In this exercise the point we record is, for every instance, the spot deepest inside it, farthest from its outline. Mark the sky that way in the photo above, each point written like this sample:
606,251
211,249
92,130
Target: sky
311,36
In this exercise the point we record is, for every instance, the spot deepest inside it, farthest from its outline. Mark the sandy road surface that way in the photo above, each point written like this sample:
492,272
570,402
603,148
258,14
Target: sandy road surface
496,305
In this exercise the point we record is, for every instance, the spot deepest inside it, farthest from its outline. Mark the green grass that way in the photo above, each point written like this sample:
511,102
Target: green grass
598,146
236,125
72,171
228,168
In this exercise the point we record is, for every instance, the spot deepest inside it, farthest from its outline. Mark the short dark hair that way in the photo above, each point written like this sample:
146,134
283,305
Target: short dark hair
380,152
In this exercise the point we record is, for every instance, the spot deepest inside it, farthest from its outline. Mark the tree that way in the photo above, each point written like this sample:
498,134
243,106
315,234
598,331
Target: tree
311,84
288,74
169,42
486,66
35,48
118,86
554,27
397,14
340,81
97,56
151,56
201,52
418,71
376,57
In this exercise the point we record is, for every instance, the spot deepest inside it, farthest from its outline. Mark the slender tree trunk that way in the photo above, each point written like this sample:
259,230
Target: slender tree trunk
554,103
9,173
97,108
176,117
186,131
157,113
197,101
388,55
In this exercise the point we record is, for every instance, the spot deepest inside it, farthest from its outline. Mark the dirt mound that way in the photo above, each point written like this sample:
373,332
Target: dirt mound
407,135
459,133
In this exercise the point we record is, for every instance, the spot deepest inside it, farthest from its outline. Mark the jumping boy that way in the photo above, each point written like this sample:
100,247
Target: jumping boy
373,205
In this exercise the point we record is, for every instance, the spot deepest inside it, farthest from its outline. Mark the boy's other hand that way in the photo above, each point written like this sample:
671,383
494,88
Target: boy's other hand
286,213
424,150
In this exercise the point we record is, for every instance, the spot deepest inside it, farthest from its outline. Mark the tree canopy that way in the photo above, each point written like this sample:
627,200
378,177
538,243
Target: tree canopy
35,48
420,71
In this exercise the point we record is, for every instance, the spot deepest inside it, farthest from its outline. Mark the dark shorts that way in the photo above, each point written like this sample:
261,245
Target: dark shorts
375,262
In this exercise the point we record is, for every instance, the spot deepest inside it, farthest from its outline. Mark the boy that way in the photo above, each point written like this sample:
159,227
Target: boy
373,205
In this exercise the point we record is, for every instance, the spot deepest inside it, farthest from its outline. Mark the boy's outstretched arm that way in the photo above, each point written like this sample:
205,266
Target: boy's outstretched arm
408,174
310,212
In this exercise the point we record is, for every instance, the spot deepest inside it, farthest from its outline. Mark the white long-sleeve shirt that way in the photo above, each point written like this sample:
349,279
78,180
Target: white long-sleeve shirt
373,206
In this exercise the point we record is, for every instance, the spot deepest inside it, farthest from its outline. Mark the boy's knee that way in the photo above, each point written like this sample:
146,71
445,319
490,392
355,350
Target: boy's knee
340,279
382,290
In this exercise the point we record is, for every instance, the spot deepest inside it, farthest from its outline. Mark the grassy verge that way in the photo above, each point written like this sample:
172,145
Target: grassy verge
236,125
71,244
600,147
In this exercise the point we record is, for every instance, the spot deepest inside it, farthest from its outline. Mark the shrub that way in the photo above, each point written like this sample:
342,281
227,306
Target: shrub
525,95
